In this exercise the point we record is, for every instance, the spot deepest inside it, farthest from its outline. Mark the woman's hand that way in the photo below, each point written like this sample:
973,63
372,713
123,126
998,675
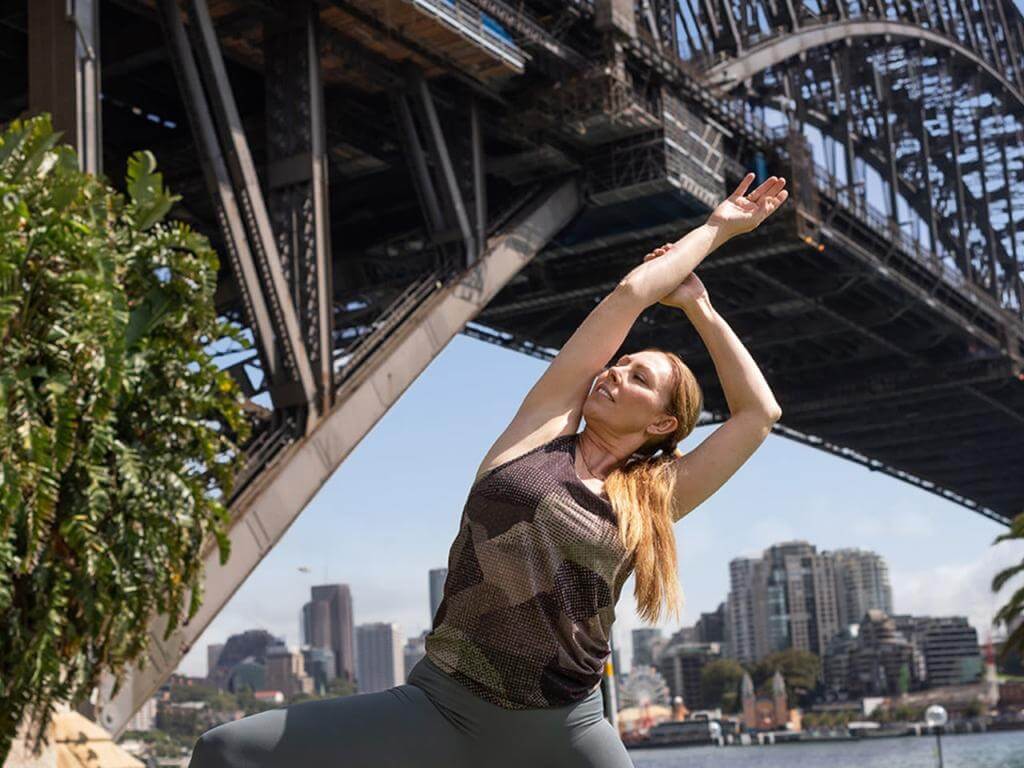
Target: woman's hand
688,293
741,212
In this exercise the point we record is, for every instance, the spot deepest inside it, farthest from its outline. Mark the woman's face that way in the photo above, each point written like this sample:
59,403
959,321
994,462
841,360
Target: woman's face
632,393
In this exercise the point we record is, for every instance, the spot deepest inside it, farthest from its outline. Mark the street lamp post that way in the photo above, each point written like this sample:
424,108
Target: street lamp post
936,717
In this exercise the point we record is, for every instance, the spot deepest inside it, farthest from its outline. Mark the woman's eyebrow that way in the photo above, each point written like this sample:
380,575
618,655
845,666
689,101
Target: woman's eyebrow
642,366
645,369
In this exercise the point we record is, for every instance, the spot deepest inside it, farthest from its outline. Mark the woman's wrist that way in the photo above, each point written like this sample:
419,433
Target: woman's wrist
719,232
699,308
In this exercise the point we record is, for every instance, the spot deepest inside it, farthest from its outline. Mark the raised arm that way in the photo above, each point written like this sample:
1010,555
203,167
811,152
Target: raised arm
752,406
554,405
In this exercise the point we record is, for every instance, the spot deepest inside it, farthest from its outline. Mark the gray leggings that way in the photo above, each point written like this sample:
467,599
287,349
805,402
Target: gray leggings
431,721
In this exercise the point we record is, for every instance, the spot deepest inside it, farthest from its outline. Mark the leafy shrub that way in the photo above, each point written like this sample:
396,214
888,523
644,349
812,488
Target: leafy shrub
119,436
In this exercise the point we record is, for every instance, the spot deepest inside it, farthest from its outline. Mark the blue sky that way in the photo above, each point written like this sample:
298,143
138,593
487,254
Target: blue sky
391,511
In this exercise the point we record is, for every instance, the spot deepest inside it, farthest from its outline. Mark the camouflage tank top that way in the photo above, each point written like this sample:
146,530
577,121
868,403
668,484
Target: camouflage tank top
534,574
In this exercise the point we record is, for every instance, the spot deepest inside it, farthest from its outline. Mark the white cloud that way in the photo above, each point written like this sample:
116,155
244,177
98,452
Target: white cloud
958,589
910,522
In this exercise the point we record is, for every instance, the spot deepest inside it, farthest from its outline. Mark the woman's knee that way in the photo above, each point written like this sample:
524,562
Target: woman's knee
210,750
251,741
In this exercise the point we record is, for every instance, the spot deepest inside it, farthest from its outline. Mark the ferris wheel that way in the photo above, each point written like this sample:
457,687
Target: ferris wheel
642,687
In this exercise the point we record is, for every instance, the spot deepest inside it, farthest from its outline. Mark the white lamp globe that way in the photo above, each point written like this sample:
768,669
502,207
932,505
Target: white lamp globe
936,715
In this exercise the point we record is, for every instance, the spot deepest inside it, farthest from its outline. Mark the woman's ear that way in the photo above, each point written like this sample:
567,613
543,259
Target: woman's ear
665,425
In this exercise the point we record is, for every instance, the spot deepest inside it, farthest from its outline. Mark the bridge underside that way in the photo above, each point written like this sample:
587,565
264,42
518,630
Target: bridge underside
872,353
382,174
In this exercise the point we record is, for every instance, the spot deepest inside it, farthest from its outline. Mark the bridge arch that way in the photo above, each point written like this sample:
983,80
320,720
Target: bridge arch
777,50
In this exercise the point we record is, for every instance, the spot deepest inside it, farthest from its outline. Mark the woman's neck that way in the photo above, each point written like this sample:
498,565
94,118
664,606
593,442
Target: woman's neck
600,455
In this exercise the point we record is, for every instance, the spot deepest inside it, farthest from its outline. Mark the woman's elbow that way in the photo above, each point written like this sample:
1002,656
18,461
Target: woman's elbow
628,290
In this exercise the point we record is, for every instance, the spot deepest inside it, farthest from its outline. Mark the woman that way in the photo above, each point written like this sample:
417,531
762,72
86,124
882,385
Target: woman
554,524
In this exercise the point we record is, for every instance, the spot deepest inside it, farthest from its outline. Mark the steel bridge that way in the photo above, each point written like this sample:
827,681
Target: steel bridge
380,175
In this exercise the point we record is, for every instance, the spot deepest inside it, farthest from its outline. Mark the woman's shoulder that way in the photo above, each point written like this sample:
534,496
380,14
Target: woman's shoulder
521,449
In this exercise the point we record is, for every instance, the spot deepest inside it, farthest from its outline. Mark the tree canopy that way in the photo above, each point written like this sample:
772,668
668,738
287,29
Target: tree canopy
720,684
800,669
119,435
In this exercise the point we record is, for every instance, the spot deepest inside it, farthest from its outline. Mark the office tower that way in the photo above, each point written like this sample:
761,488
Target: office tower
320,665
247,650
784,599
951,652
316,626
681,663
684,635
327,623
380,658
862,583
711,626
437,577
213,652
414,651
286,671
643,646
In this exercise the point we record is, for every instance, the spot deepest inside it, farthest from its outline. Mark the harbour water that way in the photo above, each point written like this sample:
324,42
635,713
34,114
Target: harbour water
1004,749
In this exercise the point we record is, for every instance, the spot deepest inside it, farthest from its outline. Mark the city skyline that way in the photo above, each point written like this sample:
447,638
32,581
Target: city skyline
863,600
382,532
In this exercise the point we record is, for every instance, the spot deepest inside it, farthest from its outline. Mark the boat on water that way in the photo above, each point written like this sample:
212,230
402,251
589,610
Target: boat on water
678,733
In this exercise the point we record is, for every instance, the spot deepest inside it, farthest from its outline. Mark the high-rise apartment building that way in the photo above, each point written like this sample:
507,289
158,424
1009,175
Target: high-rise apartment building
784,599
437,577
745,609
862,584
327,623
381,663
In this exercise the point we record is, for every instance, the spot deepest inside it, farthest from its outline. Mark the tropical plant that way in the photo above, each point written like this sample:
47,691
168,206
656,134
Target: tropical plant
119,436
1011,615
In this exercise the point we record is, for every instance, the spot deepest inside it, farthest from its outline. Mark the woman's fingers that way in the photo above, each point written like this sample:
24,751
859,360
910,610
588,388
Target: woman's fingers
761,189
743,185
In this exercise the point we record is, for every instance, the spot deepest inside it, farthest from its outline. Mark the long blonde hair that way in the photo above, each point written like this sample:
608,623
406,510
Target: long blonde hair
642,491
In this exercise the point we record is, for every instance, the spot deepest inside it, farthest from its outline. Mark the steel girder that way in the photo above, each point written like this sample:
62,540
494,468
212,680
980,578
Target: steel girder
297,181
433,166
238,198
64,72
